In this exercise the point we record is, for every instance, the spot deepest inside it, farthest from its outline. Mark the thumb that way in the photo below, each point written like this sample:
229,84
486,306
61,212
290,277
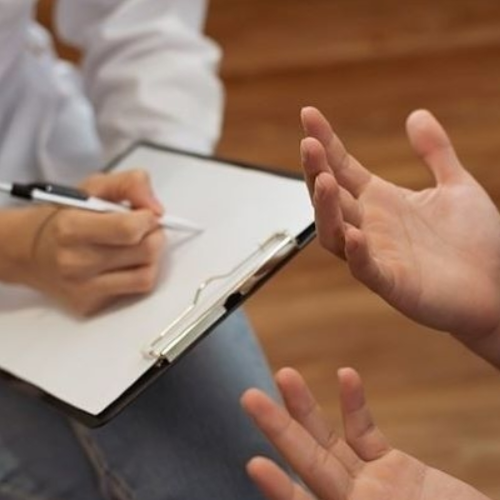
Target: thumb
431,143
133,186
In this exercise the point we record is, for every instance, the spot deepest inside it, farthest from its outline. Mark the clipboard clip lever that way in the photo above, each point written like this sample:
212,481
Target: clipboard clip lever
203,312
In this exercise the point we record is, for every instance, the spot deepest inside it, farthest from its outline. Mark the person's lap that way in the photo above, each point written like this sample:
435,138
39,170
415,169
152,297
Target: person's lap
185,437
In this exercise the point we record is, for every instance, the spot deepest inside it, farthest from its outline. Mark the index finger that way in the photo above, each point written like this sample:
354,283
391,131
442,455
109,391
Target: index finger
133,186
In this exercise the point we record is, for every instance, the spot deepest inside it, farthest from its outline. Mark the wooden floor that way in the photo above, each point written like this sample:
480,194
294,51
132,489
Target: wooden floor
367,64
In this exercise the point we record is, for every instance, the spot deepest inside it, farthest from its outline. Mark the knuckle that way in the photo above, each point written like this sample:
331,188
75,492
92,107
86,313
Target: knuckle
84,308
333,244
153,246
130,231
90,183
318,460
333,441
149,251
325,241
84,299
87,307
138,176
64,228
68,266
146,279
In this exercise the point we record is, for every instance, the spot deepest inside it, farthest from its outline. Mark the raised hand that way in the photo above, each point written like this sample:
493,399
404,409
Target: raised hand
361,467
87,260
433,254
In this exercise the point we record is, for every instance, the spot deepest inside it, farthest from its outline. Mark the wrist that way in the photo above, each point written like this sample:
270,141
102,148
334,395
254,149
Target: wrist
486,346
19,231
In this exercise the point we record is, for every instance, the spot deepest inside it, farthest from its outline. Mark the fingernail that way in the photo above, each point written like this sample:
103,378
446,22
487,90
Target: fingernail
304,109
303,112
318,186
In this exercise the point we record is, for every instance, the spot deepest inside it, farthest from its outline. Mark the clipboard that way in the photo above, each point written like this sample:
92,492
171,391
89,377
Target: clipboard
255,220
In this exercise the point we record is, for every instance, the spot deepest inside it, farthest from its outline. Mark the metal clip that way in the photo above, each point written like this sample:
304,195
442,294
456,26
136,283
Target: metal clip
242,279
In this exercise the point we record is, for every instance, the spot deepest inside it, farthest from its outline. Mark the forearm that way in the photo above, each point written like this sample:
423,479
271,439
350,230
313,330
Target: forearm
18,232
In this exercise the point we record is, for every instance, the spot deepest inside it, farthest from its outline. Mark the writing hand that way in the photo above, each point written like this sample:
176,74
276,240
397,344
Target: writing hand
87,260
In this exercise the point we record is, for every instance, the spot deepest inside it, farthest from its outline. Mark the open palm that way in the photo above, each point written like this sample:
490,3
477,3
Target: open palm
432,254
361,467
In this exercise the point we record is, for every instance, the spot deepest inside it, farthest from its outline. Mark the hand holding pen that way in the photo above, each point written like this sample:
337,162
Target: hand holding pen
87,260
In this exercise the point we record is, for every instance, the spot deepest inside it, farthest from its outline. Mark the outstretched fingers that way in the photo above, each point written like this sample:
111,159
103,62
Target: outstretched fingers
303,407
320,469
337,225
360,430
335,211
314,164
349,173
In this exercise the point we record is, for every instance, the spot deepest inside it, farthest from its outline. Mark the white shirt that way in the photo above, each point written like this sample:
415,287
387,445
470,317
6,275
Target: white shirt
147,73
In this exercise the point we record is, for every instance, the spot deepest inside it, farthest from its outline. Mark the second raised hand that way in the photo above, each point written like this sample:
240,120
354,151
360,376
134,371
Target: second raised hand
361,467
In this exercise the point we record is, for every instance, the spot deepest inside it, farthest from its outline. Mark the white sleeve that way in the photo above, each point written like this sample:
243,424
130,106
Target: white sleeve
148,70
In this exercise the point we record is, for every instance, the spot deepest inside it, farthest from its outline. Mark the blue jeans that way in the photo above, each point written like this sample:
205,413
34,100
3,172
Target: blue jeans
184,438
